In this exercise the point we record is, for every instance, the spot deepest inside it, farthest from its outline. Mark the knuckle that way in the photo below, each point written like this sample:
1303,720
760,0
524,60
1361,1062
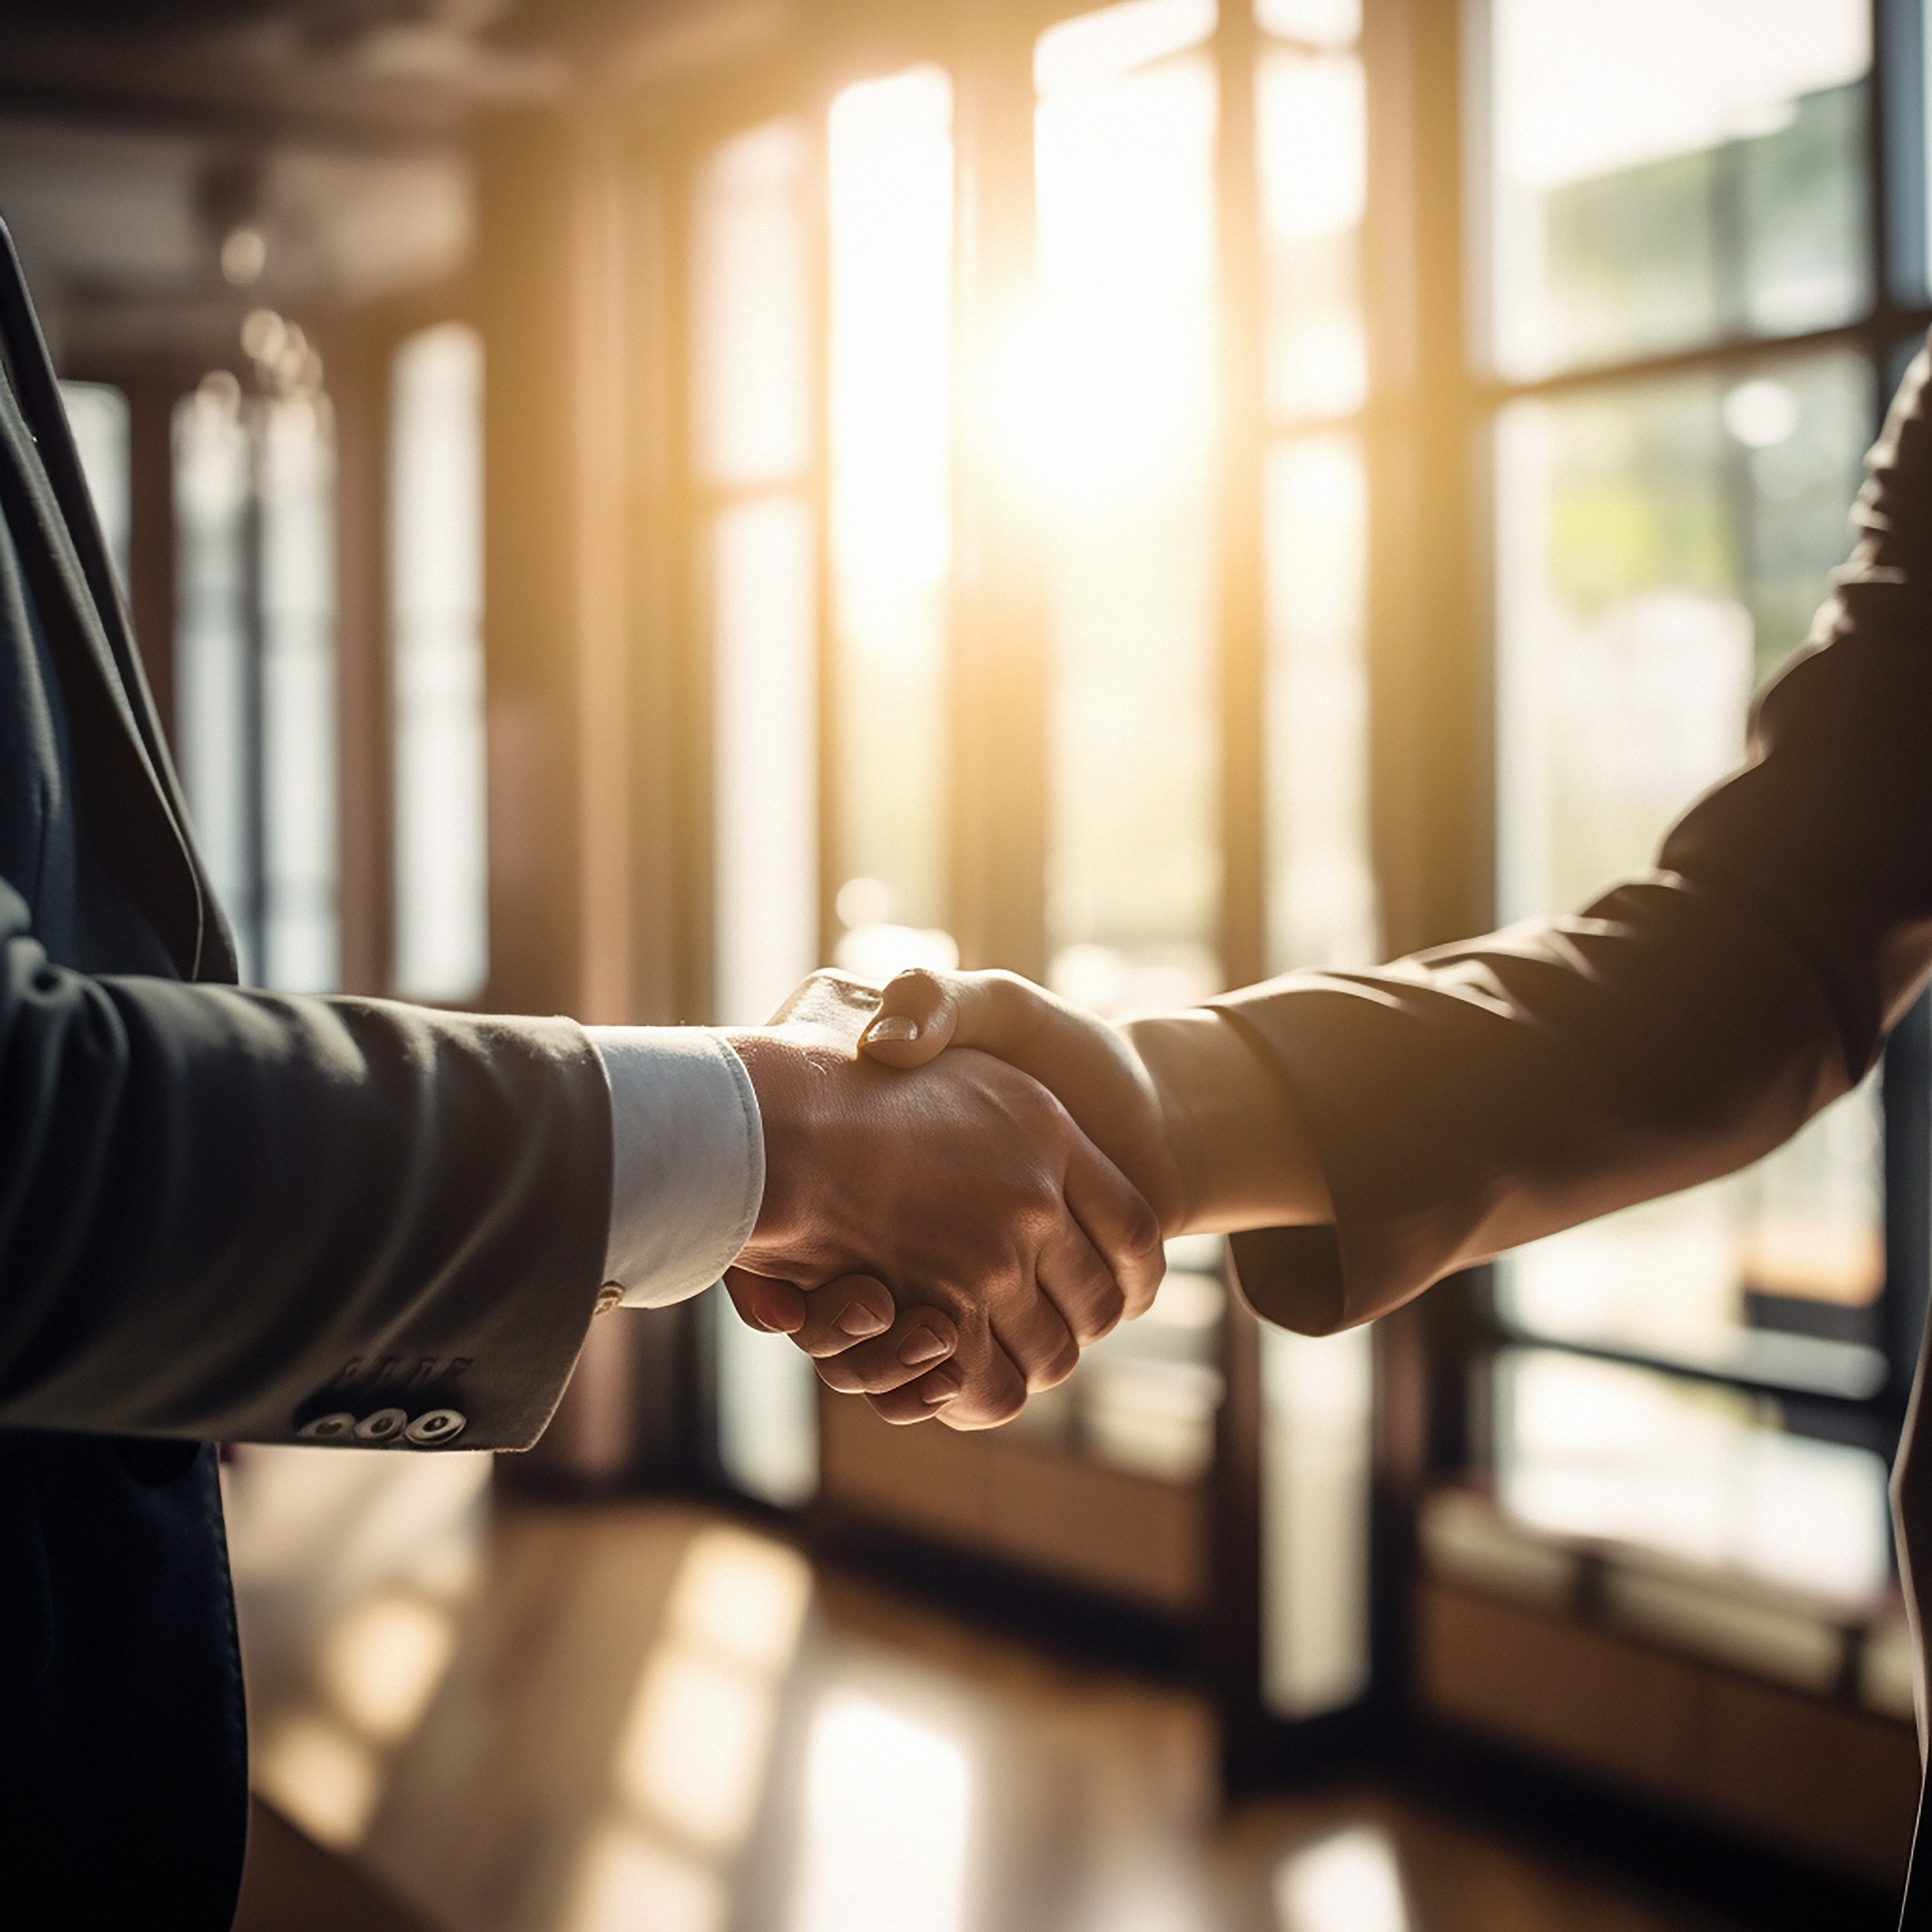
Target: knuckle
1102,1316
1000,1408
915,985
1060,1364
1144,1231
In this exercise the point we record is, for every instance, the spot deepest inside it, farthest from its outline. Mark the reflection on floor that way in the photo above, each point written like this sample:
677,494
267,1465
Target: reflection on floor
640,1718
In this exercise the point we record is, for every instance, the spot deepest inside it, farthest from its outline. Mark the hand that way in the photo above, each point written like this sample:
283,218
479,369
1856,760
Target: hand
1092,1067
1198,1118
965,1186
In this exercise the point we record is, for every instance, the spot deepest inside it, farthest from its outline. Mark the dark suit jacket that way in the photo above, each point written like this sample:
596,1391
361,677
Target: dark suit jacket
1475,1097
223,1215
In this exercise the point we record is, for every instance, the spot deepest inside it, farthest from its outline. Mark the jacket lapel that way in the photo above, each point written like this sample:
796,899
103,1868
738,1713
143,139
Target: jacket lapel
140,821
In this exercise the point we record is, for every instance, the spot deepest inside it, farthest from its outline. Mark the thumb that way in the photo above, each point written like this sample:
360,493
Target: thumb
771,1306
918,1012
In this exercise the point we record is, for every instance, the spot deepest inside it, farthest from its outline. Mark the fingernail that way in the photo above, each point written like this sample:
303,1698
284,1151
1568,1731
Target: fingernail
941,1385
894,1027
921,1345
859,1321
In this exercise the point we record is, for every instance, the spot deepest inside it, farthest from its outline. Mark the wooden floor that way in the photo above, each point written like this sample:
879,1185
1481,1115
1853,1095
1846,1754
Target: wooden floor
517,1719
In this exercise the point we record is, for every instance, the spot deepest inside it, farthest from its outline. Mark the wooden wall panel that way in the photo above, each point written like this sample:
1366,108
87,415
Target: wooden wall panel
1814,1778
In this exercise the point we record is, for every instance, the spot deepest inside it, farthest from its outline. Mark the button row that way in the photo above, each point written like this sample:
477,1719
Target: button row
432,1428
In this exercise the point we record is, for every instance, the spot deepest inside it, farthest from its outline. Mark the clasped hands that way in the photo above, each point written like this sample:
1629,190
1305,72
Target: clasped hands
968,1181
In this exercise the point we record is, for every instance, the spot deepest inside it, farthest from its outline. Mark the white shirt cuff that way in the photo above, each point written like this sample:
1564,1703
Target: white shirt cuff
688,1160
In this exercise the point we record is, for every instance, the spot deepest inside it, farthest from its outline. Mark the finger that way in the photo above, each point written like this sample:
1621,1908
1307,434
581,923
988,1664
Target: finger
1080,1285
922,1400
843,1313
1035,1335
979,1387
915,1019
771,1306
1123,1230
916,1343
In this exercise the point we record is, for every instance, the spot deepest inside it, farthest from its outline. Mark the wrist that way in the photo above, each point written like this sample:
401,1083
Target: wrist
1242,1156
785,1080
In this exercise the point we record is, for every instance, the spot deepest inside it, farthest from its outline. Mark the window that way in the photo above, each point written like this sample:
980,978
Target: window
441,913
97,414
967,540
256,667
890,195
1687,338
757,566
1120,469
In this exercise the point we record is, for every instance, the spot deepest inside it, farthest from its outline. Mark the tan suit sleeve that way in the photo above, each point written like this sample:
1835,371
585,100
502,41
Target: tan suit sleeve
1470,1099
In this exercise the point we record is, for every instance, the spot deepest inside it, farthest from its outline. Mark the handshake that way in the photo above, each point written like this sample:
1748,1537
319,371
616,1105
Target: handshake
968,1181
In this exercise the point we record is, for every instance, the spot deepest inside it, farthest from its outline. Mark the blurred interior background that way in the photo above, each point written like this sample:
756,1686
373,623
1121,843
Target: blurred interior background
627,501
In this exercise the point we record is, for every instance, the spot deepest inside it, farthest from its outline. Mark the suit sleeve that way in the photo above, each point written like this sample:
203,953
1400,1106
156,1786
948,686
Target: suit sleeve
1476,1097
241,1216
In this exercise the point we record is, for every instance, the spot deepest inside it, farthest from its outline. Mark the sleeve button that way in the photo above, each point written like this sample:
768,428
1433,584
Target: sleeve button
435,1426
336,1427
380,1424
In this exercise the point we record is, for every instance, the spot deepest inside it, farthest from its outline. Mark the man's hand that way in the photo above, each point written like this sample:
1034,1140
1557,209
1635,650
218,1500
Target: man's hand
965,1186
1203,1122
1092,1067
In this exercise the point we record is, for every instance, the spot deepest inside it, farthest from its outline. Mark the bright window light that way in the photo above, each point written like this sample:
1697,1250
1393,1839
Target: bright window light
436,629
889,161
1350,1882
1094,47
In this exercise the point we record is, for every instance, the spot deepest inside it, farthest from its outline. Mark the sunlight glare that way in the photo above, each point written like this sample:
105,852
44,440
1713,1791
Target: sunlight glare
323,1779
750,275
890,163
694,1753
629,1884
888,1802
382,1662
1314,23
1114,374
1315,159
741,1596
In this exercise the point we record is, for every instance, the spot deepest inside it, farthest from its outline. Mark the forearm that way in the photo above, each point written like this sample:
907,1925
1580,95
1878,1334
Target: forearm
230,1214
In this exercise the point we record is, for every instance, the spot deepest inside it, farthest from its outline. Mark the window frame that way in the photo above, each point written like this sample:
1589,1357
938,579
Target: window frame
1454,449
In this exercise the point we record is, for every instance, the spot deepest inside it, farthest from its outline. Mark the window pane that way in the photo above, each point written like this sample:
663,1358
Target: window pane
1313,23
298,755
765,786
1120,448
1596,1449
1662,546
891,181
98,417
1104,45
767,1410
752,344
436,628
214,706
750,318
1668,172
1316,1394
1317,1410
1314,157
1321,899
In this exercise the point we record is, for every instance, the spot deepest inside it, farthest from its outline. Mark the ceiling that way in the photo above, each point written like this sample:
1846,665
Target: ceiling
166,166
138,137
